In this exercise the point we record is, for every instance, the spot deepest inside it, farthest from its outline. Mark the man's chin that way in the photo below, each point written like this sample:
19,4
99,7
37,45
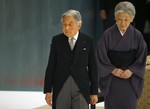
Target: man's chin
68,35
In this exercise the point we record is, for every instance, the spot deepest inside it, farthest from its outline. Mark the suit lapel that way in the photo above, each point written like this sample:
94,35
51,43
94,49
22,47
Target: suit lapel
80,44
65,43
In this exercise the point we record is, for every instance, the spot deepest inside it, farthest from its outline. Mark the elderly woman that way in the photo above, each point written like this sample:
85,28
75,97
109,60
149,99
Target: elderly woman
121,58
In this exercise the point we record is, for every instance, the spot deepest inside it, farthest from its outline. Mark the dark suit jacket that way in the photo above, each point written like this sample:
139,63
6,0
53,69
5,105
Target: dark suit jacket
79,63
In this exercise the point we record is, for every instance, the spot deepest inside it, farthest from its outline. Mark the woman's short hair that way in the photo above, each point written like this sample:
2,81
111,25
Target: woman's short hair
126,7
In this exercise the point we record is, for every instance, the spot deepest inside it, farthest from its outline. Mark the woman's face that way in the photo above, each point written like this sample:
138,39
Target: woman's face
123,20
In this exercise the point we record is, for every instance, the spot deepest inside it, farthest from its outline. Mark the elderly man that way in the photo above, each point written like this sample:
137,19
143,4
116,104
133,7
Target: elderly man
71,70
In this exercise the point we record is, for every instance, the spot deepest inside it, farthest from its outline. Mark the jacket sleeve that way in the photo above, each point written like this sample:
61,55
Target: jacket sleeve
93,70
49,74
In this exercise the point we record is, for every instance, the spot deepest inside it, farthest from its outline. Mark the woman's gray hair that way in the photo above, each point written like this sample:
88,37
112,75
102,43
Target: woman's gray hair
126,7
74,13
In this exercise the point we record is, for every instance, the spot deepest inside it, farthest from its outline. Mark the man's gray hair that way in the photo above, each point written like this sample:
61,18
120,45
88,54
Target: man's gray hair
74,13
126,7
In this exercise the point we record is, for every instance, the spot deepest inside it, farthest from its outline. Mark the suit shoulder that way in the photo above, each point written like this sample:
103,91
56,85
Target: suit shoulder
58,37
86,36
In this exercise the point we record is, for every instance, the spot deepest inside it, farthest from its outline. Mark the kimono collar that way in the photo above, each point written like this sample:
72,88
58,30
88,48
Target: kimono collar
122,33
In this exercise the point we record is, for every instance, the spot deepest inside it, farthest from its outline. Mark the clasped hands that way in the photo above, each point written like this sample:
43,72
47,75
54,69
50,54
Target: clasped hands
125,74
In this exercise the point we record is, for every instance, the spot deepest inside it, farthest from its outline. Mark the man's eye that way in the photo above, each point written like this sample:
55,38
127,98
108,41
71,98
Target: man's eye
70,24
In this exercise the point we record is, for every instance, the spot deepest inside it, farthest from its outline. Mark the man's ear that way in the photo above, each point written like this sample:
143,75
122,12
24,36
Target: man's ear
79,25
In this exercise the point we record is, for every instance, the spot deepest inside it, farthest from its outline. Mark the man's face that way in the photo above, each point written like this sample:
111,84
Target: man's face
70,26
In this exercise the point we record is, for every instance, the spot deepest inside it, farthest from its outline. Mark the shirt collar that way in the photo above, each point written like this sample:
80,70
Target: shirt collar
76,36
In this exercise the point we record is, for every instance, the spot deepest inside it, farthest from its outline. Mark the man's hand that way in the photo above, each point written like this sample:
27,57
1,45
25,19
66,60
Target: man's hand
93,99
48,98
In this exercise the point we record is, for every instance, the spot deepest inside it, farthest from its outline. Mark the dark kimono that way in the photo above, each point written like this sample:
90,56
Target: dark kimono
121,93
